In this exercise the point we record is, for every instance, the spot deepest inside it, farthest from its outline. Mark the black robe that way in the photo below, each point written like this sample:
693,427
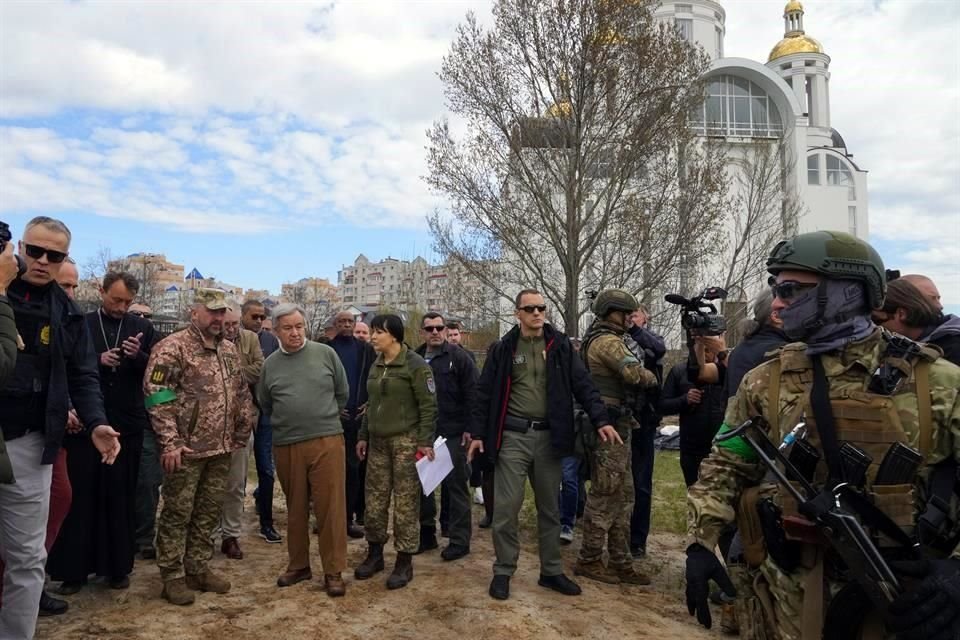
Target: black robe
98,534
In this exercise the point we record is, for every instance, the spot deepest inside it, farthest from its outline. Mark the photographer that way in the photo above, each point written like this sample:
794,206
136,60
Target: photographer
8,328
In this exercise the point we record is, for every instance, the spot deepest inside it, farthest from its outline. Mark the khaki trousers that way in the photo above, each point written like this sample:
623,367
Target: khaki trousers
314,470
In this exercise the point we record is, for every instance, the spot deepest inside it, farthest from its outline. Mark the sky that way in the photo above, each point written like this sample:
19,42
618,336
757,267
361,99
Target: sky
265,142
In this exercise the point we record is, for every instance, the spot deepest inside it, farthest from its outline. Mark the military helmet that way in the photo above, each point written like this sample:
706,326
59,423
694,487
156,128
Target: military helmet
614,300
833,254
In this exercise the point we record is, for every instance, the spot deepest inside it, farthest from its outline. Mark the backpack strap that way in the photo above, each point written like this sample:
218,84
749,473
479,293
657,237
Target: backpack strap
921,372
773,391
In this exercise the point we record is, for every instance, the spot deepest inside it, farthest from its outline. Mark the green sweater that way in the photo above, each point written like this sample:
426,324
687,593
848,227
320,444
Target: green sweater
303,393
402,399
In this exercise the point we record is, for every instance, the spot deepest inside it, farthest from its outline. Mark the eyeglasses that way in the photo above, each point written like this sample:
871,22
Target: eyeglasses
35,252
790,289
433,329
258,316
530,308
142,314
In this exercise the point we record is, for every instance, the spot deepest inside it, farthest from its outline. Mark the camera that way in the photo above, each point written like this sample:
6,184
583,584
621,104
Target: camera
5,237
699,316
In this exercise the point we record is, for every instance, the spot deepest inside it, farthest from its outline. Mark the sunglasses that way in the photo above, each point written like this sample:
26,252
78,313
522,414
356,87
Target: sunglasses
433,329
142,314
530,308
790,289
258,316
35,252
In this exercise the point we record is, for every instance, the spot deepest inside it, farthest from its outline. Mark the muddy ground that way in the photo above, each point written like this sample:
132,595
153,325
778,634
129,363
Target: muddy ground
445,600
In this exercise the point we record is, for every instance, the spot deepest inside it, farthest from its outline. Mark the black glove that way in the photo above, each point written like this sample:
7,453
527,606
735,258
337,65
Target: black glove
931,609
703,566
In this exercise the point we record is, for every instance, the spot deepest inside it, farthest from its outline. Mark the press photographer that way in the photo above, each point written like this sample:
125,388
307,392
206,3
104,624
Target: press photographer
704,328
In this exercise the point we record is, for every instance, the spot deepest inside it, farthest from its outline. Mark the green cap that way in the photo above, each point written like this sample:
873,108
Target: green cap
213,299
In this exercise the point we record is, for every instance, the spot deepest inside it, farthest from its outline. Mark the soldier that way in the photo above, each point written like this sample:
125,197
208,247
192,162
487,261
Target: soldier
201,410
615,366
868,392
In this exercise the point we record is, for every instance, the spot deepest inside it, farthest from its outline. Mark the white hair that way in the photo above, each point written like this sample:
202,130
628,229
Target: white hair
286,309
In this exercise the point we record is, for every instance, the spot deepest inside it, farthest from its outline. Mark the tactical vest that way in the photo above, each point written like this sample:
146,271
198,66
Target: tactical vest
608,383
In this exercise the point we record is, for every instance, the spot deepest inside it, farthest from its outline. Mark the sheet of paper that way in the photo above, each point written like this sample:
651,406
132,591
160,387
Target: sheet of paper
432,472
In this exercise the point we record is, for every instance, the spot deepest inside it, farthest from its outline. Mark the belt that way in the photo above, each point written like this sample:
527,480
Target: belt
522,425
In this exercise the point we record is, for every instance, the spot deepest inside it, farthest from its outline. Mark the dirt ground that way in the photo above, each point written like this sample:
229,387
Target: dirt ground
445,600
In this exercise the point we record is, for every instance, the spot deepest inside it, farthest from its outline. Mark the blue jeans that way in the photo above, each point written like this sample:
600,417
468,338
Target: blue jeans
263,457
642,461
569,489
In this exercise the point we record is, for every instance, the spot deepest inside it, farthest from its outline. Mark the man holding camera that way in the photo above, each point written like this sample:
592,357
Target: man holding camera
55,365
617,371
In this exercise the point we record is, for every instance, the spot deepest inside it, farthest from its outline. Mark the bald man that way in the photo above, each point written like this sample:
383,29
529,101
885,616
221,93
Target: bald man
361,332
945,331
926,287
251,361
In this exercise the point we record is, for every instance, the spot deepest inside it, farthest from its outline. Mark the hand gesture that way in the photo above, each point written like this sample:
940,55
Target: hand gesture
107,442
131,346
362,449
173,460
110,358
475,447
73,422
703,566
694,396
465,439
608,434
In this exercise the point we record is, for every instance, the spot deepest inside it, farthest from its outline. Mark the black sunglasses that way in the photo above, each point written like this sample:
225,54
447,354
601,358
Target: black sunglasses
142,314
35,252
530,308
258,316
790,289
433,329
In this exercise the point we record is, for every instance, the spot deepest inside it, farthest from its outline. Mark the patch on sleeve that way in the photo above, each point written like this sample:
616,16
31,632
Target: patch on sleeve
431,385
159,374
160,397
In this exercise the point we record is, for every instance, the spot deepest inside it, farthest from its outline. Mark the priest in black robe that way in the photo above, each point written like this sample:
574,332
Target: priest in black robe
98,534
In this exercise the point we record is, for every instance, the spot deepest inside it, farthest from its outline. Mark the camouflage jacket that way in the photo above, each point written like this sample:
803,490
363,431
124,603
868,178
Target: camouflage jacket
197,396
729,469
613,365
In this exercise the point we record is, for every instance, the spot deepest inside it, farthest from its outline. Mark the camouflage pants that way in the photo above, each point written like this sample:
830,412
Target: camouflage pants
606,518
392,471
192,503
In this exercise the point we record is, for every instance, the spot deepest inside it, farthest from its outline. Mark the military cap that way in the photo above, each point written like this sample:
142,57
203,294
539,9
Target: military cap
212,299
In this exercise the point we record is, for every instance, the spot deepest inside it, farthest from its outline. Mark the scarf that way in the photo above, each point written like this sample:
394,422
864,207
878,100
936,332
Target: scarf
844,319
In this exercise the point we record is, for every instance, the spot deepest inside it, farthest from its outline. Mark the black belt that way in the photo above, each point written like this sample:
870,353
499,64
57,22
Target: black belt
522,425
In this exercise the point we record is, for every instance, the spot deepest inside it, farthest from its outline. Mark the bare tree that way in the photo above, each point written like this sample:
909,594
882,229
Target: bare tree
142,266
577,169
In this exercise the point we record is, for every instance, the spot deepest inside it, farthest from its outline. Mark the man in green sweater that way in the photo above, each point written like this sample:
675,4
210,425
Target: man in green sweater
303,387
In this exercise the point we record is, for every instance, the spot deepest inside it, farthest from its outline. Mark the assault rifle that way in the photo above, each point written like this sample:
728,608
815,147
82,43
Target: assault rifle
831,511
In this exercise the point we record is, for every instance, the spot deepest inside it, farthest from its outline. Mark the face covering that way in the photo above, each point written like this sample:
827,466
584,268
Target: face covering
845,318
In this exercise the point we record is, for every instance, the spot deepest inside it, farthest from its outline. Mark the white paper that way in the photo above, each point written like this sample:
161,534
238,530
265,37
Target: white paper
432,472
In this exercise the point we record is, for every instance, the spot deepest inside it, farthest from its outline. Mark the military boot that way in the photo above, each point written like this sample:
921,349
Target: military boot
595,570
176,592
208,582
628,574
402,571
372,564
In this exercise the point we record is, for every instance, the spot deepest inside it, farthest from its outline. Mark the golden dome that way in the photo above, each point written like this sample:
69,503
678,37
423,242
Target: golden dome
793,5
795,44
562,109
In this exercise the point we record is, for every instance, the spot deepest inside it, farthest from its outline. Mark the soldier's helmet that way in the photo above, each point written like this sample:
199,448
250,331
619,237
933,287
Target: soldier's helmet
833,254
614,300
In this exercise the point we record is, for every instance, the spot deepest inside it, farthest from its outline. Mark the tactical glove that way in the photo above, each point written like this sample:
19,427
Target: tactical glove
703,566
931,609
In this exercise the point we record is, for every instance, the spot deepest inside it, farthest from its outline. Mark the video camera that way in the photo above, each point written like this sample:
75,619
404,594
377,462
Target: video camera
5,237
698,316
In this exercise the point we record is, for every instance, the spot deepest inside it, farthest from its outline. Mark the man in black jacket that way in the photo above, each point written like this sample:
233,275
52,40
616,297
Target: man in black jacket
455,376
54,366
762,337
523,421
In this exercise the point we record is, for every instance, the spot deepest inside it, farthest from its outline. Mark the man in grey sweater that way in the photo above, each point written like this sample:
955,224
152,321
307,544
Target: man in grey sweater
303,388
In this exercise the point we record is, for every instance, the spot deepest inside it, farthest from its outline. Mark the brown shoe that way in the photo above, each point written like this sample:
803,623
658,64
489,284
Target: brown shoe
177,592
629,575
595,570
293,577
231,548
334,585
208,582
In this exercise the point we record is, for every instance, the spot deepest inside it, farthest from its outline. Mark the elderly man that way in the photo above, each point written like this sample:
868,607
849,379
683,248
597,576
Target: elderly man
356,357
201,410
303,388
251,361
254,318
361,332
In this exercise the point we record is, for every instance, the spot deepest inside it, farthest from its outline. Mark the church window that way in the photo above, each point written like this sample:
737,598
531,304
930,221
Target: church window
813,169
839,175
852,219
684,28
737,107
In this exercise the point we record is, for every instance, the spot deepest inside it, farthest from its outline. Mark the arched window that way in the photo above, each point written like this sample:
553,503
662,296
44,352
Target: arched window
839,175
737,107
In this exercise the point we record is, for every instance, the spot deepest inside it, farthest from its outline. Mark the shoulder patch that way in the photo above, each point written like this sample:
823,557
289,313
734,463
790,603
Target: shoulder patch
159,374
431,385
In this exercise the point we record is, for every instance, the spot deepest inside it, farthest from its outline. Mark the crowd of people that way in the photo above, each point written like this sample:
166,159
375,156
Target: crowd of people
100,414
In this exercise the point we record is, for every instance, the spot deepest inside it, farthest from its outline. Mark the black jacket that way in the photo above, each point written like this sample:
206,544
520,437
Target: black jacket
698,423
567,379
73,374
455,376
8,340
348,347
945,335
750,354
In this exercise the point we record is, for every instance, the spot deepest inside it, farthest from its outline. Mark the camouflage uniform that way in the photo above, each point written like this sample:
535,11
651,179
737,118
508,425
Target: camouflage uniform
196,397
731,469
612,366
391,471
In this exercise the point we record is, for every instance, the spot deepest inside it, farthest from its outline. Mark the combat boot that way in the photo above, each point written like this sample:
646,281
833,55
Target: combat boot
402,571
176,592
208,582
595,570
372,564
629,575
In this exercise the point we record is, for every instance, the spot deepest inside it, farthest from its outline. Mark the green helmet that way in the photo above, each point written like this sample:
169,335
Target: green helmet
614,300
833,254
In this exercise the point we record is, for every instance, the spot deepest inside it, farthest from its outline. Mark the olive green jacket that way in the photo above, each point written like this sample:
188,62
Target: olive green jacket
402,399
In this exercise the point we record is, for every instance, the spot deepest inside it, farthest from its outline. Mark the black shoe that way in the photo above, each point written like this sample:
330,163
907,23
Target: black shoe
454,552
638,552
148,553
70,587
354,531
560,583
360,520
444,532
270,534
500,587
50,606
486,522
119,582
428,541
